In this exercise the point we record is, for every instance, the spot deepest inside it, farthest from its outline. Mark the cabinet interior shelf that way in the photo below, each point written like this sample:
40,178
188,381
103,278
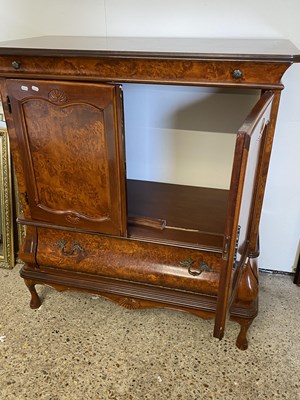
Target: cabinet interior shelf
174,213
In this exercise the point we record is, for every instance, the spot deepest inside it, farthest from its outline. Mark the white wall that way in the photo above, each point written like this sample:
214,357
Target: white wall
280,225
183,135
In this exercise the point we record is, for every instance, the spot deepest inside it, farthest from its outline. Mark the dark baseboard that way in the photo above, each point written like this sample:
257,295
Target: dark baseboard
273,272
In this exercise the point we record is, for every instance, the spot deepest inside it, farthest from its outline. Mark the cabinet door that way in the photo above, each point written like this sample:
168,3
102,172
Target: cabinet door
249,149
71,141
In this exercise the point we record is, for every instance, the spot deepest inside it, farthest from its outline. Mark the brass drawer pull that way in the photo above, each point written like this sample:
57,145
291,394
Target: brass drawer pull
195,270
237,74
75,247
16,64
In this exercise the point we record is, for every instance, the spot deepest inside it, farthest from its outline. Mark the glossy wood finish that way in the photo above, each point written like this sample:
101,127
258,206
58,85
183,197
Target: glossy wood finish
241,200
159,60
262,173
219,48
147,70
131,295
174,204
126,259
67,133
181,246
244,301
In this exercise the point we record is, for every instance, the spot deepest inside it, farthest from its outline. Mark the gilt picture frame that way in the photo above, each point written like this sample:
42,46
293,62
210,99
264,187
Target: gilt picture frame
7,252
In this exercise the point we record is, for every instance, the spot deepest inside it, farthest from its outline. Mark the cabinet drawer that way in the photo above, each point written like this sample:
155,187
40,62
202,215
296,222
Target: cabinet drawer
158,70
131,260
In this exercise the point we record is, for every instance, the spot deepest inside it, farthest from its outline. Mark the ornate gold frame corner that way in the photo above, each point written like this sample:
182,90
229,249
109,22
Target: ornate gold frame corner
7,256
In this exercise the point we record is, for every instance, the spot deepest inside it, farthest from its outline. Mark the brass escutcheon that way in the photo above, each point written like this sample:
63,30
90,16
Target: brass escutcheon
75,247
195,270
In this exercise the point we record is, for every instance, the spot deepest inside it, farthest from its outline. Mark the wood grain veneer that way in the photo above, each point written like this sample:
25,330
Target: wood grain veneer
140,244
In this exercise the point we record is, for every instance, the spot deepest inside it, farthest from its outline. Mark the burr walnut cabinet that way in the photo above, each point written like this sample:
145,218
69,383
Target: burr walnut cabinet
138,242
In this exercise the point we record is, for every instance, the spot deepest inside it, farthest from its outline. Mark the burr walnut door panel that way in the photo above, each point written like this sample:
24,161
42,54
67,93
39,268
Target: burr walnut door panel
244,188
71,141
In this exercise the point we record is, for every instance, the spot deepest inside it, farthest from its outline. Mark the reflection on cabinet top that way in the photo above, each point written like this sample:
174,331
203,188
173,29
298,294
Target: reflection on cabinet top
202,48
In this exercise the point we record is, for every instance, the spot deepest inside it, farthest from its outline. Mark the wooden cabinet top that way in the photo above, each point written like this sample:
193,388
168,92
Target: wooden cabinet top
277,50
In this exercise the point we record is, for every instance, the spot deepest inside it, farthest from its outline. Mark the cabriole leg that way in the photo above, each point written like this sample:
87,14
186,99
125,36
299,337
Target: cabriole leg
242,341
245,303
35,301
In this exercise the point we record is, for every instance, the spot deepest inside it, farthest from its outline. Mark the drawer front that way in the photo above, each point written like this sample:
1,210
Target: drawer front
168,266
159,70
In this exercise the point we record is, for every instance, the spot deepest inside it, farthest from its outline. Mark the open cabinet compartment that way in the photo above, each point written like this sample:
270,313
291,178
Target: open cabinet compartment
213,220
189,212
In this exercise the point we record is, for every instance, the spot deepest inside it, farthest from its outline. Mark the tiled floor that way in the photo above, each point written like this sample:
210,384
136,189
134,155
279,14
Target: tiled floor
78,346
